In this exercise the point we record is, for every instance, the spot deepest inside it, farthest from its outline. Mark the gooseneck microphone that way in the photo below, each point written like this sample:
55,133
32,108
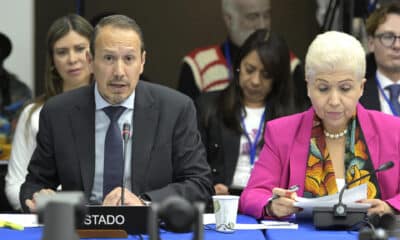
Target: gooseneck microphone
126,134
340,216
340,208
116,221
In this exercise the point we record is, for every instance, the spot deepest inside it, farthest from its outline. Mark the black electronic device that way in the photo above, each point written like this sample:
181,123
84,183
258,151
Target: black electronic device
340,216
379,227
176,214
69,205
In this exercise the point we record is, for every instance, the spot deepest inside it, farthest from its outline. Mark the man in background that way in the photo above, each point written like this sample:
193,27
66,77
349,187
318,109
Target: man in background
210,68
382,89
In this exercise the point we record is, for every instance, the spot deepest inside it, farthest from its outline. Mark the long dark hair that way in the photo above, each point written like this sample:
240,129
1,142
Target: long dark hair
274,54
53,83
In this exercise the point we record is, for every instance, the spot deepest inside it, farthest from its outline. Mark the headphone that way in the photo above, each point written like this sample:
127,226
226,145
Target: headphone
378,227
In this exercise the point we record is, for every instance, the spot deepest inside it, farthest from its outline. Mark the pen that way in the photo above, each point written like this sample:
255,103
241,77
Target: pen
291,189
11,225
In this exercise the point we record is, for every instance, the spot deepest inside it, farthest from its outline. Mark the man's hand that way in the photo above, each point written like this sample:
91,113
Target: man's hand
31,203
221,189
114,198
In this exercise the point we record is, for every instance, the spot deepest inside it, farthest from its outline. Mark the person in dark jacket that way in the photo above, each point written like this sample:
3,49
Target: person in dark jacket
232,121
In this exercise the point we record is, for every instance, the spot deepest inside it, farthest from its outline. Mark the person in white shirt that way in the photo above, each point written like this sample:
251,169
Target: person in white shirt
232,121
67,68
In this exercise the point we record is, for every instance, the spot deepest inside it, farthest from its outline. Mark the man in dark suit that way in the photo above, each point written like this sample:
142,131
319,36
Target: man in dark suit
165,151
383,63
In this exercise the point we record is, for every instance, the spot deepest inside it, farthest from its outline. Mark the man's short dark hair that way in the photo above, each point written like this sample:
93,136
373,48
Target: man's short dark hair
117,21
379,16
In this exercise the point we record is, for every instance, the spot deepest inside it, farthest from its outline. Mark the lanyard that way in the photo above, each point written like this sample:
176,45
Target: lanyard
253,145
385,96
228,58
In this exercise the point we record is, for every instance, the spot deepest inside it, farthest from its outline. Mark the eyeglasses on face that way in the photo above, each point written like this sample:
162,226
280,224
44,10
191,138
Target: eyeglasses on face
387,39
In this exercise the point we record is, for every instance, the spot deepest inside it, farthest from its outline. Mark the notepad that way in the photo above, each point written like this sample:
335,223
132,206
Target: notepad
265,224
25,220
270,224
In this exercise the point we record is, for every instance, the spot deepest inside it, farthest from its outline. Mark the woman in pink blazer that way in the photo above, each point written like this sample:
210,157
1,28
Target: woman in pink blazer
334,142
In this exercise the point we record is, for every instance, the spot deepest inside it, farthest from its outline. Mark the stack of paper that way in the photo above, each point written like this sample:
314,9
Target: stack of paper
350,198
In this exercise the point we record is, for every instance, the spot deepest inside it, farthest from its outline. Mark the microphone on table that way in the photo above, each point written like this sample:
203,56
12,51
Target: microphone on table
126,134
116,221
340,216
176,214
379,227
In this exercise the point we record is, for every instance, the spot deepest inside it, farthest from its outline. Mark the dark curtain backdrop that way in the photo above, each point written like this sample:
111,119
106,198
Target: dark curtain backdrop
172,28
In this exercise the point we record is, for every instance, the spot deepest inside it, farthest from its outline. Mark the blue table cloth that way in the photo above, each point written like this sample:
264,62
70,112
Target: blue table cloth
307,231
209,233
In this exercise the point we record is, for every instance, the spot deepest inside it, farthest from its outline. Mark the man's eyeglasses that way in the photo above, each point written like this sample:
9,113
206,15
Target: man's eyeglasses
387,39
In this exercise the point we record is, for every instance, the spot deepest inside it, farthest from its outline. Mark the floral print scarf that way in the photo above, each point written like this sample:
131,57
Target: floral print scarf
320,175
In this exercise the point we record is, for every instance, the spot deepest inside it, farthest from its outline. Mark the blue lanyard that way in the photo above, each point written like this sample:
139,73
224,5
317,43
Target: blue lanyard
253,145
228,58
385,96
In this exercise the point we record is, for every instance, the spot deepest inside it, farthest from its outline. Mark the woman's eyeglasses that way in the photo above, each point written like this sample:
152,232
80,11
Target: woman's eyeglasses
387,39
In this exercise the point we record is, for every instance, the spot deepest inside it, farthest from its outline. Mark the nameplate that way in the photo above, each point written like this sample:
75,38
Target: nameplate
132,219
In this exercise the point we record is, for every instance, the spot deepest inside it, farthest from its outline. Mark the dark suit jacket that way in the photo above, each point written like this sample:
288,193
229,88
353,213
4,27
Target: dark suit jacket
222,144
370,97
168,157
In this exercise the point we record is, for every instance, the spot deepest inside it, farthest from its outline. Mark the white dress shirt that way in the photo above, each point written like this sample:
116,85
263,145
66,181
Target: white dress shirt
102,122
384,81
23,145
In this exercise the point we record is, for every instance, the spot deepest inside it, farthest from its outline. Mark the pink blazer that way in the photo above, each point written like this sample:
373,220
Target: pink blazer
282,161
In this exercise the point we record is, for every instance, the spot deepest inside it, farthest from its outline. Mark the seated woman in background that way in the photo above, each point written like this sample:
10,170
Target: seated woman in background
68,41
232,121
335,141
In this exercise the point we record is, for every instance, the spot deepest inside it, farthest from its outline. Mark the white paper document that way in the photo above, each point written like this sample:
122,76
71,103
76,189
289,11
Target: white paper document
270,224
350,198
267,224
209,218
26,220
249,226
241,226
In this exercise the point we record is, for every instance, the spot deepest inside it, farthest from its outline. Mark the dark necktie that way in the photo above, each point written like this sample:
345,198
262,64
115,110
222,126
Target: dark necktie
394,90
113,151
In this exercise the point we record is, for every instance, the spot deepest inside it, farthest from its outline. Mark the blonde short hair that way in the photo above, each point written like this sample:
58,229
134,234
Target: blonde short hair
333,52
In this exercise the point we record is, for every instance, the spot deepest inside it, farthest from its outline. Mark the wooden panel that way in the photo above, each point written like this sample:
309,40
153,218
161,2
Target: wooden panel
173,28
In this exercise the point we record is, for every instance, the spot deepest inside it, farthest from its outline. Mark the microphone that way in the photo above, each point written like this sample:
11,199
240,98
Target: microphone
340,216
378,227
116,221
126,134
176,214
340,208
